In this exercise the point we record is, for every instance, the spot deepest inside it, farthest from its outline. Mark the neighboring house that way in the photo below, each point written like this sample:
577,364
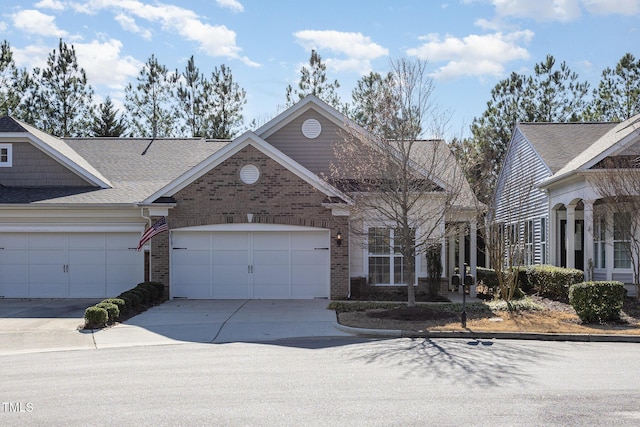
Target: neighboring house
248,218
544,191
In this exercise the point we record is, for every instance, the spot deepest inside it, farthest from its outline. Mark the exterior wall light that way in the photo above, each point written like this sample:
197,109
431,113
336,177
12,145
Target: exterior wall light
339,238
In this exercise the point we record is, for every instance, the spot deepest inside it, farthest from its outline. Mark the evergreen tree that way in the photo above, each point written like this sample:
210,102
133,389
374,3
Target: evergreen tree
150,104
313,81
9,79
617,97
227,99
193,91
372,92
65,94
550,94
106,122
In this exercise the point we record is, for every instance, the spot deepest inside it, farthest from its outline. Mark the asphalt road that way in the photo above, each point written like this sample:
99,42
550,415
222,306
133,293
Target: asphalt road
326,382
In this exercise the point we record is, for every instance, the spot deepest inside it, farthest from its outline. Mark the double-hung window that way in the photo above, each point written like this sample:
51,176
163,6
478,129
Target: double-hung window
621,240
599,241
528,242
543,240
386,262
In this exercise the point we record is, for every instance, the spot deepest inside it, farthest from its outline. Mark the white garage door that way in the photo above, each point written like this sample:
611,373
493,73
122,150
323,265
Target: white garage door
68,265
250,264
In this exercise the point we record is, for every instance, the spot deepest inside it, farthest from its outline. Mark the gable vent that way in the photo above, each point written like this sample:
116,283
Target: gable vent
311,128
249,174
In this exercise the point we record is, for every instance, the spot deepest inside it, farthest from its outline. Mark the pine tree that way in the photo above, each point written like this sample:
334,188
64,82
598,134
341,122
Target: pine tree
150,104
617,97
228,99
313,81
192,93
9,76
106,122
65,94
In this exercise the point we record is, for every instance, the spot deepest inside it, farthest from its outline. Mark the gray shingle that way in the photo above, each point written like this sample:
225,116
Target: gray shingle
559,143
9,125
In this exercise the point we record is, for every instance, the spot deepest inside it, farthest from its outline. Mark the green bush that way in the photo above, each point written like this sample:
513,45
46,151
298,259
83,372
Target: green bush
144,296
112,310
133,297
597,301
95,317
488,277
151,290
553,282
122,305
157,285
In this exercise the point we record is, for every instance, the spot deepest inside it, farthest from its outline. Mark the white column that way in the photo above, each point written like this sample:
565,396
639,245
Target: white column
571,236
461,249
609,244
553,240
452,256
588,236
443,247
473,254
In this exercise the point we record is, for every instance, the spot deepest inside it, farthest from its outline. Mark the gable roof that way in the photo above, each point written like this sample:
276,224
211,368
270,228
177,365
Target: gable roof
244,140
132,174
56,148
615,140
558,143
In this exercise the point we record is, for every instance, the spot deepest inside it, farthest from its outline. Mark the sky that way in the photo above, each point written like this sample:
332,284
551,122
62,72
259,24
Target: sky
470,45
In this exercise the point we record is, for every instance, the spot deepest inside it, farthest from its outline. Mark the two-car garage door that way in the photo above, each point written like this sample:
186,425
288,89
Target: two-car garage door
244,264
69,265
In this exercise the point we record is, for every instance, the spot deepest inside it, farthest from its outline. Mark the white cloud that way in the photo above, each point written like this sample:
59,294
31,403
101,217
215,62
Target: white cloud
50,4
474,55
129,24
3,26
214,40
35,22
358,49
31,56
610,7
104,63
234,5
539,10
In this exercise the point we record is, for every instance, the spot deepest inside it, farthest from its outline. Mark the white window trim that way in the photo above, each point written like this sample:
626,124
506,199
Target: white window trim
365,256
9,162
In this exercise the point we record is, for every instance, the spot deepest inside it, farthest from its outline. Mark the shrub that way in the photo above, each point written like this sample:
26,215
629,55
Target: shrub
122,305
157,285
133,297
142,294
95,317
112,310
488,277
151,290
597,301
553,282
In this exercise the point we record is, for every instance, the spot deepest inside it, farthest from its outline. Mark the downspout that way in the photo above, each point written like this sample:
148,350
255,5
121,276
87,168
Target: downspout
145,217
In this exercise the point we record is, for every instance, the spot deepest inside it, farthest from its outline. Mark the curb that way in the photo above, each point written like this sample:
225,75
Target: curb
531,336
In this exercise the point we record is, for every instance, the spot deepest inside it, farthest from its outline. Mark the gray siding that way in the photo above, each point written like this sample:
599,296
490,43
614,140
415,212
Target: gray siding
33,168
314,154
517,198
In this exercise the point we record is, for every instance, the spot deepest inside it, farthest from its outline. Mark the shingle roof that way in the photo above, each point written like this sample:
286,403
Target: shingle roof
9,125
133,176
559,143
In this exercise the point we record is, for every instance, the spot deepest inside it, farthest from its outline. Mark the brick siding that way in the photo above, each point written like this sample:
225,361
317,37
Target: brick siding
278,197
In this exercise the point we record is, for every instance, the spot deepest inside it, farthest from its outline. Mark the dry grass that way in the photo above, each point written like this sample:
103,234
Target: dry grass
550,317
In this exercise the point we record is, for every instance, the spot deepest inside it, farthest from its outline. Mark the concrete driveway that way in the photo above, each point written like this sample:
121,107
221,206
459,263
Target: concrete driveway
53,324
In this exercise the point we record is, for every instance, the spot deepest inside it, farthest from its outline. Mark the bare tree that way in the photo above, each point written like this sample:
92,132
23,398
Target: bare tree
508,225
404,184
617,183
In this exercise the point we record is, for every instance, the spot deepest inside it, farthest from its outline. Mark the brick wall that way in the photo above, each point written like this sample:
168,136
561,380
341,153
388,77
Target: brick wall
278,197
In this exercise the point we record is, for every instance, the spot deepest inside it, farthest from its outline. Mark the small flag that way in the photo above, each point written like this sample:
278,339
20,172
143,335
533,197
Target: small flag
160,226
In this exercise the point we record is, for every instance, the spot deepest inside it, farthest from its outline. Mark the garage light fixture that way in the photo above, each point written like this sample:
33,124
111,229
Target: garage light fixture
339,238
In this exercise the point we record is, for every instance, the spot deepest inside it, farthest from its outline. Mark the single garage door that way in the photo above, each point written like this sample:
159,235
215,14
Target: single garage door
285,264
69,265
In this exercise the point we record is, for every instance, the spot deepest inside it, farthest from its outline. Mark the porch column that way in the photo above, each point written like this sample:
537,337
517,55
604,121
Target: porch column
452,257
443,248
553,237
588,238
461,249
473,255
571,236
609,245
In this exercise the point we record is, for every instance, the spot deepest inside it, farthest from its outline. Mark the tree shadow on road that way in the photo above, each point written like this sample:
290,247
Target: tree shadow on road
473,362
